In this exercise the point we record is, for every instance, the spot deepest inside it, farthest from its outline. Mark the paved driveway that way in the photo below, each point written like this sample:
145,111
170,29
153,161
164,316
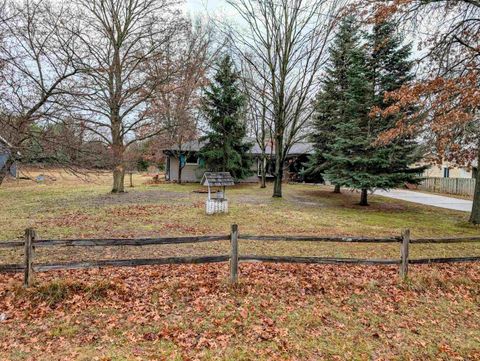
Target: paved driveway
428,199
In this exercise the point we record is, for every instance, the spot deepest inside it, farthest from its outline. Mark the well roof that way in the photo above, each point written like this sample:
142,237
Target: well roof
217,179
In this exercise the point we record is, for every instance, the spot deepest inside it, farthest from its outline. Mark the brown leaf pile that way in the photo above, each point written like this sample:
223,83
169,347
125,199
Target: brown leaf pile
293,312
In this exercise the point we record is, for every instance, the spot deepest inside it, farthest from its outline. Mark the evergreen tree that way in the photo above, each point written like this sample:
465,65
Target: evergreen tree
223,105
334,104
353,158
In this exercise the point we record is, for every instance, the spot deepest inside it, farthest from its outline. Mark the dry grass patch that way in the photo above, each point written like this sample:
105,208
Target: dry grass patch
72,208
290,312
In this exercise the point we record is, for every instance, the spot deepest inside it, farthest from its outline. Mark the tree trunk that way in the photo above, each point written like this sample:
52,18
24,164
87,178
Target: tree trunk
337,189
277,185
475,215
116,121
263,173
119,164
118,179
6,169
180,168
364,197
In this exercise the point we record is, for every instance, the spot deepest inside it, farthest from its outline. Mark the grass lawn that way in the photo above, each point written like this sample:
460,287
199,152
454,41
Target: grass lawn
276,312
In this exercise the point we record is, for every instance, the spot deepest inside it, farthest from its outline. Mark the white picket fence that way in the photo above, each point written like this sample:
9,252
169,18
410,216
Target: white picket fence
460,186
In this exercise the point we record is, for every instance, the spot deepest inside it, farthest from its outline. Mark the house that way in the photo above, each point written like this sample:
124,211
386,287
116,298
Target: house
193,167
447,170
5,153
449,178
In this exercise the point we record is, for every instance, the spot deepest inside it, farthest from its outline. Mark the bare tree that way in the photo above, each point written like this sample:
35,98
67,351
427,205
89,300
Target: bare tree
259,116
120,39
175,105
36,56
289,39
449,31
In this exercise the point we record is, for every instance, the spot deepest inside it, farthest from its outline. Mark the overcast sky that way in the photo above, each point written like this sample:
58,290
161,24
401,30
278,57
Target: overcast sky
199,6
212,8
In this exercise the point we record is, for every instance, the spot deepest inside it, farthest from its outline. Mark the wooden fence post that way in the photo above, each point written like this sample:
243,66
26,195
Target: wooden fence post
404,250
29,239
234,254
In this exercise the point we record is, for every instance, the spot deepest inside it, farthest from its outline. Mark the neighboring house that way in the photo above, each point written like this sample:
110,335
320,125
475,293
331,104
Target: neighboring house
450,179
193,166
446,170
5,155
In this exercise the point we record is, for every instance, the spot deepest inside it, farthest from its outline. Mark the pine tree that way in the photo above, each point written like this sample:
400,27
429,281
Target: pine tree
334,105
348,153
353,158
223,106
390,68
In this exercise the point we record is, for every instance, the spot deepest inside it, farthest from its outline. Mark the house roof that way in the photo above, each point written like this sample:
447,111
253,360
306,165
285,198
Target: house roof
217,179
296,149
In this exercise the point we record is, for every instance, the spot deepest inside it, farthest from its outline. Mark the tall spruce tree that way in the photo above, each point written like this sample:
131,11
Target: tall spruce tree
335,104
353,158
224,107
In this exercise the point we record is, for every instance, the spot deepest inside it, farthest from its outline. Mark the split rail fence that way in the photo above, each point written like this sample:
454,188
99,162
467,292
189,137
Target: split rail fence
404,240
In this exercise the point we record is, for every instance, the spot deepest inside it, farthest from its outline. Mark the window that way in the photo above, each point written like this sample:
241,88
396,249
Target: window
192,158
446,172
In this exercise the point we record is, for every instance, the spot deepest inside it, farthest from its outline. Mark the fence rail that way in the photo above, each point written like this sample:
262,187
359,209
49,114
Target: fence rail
31,242
459,186
322,239
319,260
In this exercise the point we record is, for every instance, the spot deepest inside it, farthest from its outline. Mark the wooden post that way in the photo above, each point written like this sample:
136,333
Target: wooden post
234,254
404,250
29,239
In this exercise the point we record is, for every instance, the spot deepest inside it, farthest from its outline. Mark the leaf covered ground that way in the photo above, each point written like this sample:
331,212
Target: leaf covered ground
276,312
